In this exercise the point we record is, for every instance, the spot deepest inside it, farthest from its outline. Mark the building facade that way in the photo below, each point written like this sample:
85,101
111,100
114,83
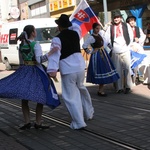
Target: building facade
45,8
53,8
13,10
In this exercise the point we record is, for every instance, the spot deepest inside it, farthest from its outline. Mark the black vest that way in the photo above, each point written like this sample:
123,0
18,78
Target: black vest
70,43
98,41
137,31
125,33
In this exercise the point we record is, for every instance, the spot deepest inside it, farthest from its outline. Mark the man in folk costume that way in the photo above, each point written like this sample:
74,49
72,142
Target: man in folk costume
141,64
120,36
68,59
139,36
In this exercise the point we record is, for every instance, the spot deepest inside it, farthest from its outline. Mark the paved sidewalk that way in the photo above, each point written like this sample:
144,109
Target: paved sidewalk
125,117
6,141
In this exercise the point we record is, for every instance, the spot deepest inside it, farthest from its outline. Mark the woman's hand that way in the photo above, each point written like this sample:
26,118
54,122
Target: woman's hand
53,75
87,51
137,40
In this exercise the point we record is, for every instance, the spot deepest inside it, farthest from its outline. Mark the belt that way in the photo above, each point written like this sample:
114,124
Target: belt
98,49
30,63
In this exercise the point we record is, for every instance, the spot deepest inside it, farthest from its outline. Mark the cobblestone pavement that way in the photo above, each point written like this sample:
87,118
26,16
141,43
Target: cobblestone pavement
125,117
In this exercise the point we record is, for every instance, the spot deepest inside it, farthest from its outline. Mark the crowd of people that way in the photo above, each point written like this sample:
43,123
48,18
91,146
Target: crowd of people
33,82
127,57
134,37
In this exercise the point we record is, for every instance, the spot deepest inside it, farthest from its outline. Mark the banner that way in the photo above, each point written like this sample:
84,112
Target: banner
55,5
84,17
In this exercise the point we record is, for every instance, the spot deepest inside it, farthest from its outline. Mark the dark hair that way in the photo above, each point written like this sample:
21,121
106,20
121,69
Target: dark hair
130,18
29,29
26,31
148,23
95,25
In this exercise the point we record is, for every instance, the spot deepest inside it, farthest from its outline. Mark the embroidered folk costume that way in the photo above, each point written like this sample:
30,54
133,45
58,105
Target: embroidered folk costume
120,51
101,69
68,59
30,81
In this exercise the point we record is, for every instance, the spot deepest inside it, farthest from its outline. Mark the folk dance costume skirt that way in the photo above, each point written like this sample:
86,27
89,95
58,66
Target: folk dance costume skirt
101,69
30,83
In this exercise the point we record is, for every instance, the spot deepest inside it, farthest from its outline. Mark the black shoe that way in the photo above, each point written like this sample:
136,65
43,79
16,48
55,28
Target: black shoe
119,91
127,90
26,126
82,128
36,126
101,94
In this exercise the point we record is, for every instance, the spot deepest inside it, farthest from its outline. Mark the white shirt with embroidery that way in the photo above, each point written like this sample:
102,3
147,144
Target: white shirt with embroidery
119,44
71,64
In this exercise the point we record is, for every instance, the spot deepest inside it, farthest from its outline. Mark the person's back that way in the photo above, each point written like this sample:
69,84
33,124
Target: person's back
30,82
27,51
66,57
70,42
71,59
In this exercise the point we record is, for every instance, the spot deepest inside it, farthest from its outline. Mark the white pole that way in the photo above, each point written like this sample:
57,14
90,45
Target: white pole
105,11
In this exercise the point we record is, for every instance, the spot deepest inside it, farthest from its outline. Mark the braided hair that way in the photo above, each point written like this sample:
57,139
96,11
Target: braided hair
25,35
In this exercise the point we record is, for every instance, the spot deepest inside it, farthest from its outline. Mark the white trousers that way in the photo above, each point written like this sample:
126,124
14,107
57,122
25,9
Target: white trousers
122,63
77,99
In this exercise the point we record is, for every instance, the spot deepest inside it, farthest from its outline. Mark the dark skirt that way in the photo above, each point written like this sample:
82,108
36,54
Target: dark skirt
101,69
30,83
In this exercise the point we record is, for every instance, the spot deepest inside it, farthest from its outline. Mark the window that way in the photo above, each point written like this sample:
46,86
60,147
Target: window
38,9
13,36
45,35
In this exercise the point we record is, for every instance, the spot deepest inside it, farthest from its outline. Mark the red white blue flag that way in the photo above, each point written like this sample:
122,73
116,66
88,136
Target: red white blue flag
84,17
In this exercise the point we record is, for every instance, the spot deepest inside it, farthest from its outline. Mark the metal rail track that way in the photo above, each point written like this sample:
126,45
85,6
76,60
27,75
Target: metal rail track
125,106
103,137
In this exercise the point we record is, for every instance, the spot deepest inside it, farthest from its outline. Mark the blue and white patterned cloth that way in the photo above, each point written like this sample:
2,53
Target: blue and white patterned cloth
136,58
30,83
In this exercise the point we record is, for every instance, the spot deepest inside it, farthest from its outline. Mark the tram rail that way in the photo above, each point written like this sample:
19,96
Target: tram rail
103,137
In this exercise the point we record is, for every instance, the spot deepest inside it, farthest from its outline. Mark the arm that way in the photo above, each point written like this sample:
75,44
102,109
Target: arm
130,31
142,37
107,36
40,58
107,25
88,42
54,47
107,41
53,59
